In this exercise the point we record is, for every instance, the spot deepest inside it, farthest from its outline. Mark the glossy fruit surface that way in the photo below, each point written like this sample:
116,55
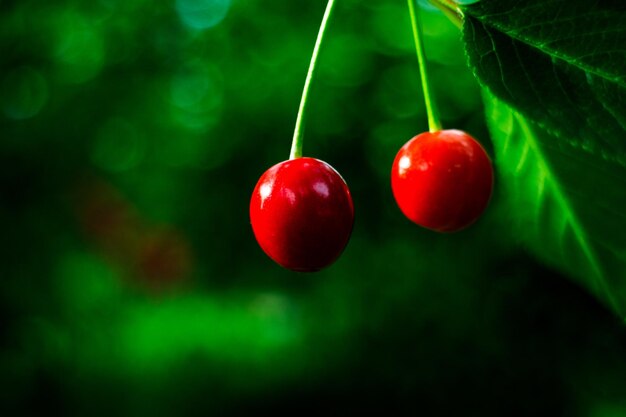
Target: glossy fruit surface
302,214
442,180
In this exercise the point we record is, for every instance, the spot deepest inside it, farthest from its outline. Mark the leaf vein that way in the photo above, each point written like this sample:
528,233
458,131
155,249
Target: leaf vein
564,57
577,229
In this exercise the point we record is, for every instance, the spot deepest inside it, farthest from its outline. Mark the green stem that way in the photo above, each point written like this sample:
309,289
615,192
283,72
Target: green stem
451,10
298,134
434,124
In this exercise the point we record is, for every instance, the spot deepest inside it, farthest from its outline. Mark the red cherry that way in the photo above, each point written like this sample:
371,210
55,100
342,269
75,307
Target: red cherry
442,180
302,214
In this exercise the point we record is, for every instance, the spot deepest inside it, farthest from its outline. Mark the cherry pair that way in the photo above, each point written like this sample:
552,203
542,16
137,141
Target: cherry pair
301,209
302,212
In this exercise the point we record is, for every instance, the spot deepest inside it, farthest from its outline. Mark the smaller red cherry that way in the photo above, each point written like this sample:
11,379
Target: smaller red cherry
442,180
302,214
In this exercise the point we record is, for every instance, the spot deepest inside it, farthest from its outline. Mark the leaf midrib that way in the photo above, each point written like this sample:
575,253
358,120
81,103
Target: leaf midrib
577,228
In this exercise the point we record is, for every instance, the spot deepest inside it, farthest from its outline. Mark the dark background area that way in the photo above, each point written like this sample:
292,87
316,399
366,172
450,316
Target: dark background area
131,136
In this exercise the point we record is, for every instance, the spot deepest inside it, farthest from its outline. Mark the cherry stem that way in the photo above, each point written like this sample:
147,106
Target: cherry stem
298,134
451,10
434,124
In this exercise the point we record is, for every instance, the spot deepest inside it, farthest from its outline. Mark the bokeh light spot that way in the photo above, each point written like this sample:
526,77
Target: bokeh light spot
195,100
196,96
189,88
24,93
78,48
119,146
202,14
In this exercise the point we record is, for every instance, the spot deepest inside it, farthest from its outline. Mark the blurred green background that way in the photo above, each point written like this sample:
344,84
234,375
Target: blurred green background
131,136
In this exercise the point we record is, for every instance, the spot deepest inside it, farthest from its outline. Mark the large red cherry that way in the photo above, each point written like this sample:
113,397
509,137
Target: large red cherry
442,180
302,214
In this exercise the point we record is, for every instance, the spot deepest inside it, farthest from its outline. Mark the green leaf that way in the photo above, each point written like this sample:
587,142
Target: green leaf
568,206
562,63
557,70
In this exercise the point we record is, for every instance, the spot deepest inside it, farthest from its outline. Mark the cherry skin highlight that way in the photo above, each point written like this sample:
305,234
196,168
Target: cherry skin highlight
302,214
442,180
